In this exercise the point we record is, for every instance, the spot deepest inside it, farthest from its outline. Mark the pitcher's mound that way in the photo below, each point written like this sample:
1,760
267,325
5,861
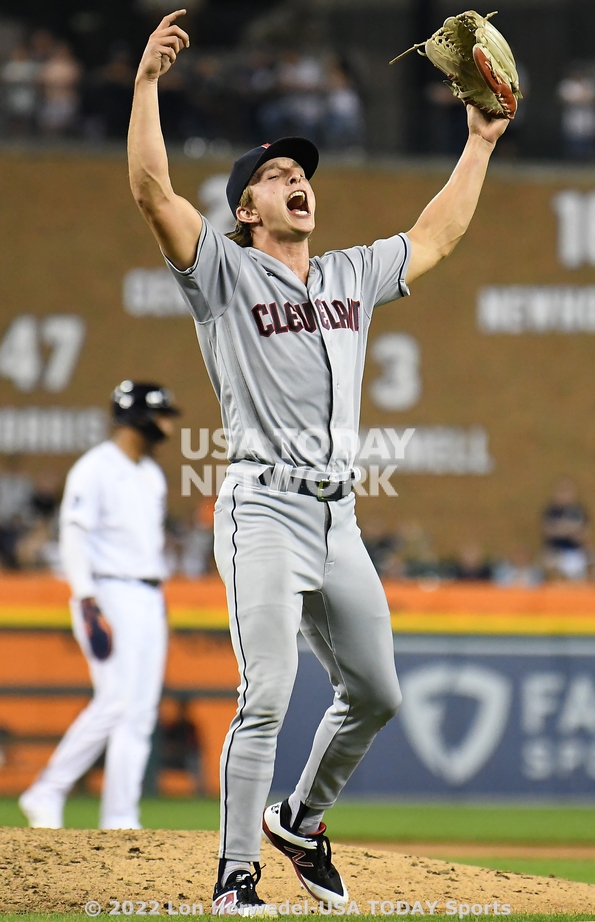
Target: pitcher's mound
45,870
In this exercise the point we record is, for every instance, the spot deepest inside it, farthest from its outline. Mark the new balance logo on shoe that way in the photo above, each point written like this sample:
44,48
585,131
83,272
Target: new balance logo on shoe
296,855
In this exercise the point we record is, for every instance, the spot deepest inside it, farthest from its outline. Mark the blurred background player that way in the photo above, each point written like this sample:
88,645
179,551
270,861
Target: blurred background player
112,541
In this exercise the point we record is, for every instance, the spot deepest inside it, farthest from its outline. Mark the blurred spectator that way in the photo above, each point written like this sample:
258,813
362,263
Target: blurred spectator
577,96
59,78
519,571
471,565
299,73
448,120
42,45
46,496
421,561
206,88
180,744
111,94
380,544
394,566
257,81
10,532
16,491
174,537
173,106
343,122
289,24
19,91
37,547
197,545
28,520
565,530
299,108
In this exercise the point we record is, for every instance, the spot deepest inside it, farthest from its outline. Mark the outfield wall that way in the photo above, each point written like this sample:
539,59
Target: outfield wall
490,360
499,689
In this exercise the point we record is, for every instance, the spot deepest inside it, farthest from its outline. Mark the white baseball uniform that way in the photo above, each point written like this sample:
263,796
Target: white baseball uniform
286,361
112,543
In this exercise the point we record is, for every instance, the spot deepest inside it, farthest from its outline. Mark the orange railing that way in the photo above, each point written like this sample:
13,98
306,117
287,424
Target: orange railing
40,601
44,680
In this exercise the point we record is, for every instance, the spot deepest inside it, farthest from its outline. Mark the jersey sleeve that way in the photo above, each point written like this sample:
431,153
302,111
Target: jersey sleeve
161,486
74,553
208,285
388,261
378,271
81,504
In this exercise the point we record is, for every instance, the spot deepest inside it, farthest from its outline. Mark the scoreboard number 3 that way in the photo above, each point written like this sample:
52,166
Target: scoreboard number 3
24,357
399,387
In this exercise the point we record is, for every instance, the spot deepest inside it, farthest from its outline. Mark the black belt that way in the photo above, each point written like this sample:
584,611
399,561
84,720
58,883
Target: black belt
325,491
155,583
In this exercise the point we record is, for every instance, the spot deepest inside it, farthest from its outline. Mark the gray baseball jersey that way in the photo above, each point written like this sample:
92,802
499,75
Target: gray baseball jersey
286,359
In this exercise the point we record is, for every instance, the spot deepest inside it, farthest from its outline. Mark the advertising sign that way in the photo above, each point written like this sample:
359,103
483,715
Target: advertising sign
480,717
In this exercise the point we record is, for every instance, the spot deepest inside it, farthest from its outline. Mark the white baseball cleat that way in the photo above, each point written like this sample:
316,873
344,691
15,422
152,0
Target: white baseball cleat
310,856
41,814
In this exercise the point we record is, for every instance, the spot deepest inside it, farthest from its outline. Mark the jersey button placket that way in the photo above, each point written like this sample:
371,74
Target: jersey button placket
329,349
329,345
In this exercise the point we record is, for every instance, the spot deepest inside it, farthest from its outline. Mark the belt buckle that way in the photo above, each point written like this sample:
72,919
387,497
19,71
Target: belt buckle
320,486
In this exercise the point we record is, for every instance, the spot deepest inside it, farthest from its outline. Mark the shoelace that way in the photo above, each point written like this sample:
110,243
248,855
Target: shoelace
324,854
246,885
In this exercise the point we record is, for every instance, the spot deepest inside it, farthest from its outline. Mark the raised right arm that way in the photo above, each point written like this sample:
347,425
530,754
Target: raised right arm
173,220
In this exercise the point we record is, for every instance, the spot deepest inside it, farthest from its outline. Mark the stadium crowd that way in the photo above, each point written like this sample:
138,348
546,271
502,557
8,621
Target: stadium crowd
565,552
217,99
228,97
29,511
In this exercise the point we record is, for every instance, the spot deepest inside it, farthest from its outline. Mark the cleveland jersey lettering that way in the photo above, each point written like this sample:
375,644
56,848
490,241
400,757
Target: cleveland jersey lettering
296,318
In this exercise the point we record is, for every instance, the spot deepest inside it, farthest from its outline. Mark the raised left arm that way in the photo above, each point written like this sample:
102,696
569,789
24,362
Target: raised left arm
443,222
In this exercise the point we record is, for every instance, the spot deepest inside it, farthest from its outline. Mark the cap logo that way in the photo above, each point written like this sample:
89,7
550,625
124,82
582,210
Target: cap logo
265,146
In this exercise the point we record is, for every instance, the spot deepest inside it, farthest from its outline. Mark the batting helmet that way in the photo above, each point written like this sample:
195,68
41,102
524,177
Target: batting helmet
137,404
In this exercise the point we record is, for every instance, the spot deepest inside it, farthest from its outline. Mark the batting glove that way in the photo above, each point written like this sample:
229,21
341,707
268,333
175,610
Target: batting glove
98,629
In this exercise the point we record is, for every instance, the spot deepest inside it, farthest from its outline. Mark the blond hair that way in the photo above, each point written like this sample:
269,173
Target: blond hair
242,233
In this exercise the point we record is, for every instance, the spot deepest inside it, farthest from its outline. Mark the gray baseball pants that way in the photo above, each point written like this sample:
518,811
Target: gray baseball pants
291,563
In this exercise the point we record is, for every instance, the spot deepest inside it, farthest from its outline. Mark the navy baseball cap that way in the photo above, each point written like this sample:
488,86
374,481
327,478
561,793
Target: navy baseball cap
301,150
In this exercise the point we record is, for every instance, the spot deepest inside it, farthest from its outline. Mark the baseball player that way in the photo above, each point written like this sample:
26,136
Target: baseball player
283,336
111,542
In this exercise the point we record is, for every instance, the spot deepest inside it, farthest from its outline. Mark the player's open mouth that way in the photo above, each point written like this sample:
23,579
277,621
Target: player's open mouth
297,203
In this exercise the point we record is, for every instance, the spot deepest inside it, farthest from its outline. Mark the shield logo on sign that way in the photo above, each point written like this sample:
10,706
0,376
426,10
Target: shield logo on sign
425,693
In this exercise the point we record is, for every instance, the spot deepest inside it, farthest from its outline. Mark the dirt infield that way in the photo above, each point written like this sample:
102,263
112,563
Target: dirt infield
484,850
44,870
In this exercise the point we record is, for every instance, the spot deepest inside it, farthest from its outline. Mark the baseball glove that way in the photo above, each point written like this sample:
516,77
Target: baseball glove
98,629
478,62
